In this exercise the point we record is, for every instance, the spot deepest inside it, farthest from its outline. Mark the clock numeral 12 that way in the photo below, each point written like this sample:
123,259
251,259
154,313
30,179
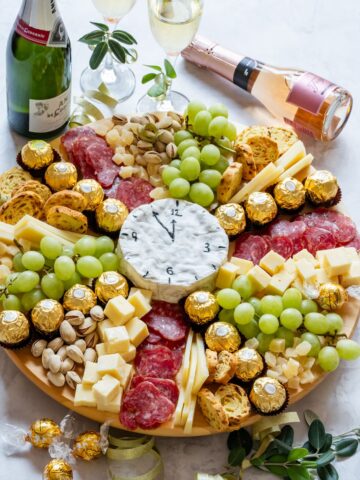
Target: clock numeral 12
175,212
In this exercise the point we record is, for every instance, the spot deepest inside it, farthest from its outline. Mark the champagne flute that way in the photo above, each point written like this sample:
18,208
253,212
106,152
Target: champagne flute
174,24
117,77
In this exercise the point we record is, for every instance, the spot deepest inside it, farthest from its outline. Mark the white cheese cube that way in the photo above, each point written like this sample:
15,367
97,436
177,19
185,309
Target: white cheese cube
305,254
259,277
113,405
100,349
243,266
226,275
352,277
84,396
140,304
137,330
106,390
119,310
290,266
272,262
116,339
126,373
146,293
336,262
280,282
351,253
322,276
91,374
102,326
306,270
130,354
110,365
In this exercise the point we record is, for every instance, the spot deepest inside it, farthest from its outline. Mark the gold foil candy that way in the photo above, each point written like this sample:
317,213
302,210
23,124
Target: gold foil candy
58,469
260,208
110,285
222,336
250,364
14,328
201,307
37,154
47,316
92,191
42,433
289,194
61,176
87,446
321,187
268,395
111,214
79,297
332,296
231,217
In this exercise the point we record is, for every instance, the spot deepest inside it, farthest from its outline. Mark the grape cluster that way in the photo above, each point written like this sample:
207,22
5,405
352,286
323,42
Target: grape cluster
48,273
202,151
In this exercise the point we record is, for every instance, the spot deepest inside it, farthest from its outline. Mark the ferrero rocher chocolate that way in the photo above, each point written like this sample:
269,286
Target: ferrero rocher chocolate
222,336
110,285
42,433
260,208
58,469
92,191
289,194
79,297
332,296
14,328
268,395
201,307
61,176
87,446
37,154
111,214
250,364
47,316
321,187
231,217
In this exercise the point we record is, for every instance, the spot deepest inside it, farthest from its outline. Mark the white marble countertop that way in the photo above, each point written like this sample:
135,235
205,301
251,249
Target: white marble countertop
318,35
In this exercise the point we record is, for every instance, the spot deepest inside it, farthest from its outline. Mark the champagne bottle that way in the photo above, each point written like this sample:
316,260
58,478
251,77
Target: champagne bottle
38,74
307,102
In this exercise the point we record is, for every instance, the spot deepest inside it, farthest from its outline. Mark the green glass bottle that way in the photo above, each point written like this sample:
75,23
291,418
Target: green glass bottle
38,71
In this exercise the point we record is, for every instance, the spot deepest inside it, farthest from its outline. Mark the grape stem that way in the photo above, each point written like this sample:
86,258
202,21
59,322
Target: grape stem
212,139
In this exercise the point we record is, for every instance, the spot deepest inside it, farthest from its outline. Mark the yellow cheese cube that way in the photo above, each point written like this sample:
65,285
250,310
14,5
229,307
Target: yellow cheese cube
100,349
84,396
336,262
130,354
113,405
290,266
126,373
351,253
280,282
137,330
102,326
306,255
272,262
306,270
91,374
119,310
110,365
322,276
140,304
106,389
243,266
226,275
146,293
116,339
259,277
353,275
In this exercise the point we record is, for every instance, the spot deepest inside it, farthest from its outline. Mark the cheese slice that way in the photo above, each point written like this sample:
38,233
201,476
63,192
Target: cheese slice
295,153
300,165
34,230
186,359
190,419
303,174
179,407
6,233
190,384
202,371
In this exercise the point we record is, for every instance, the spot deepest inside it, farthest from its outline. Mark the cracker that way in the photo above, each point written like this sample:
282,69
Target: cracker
11,179
284,137
33,186
226,367
66,198
244,155
65,218
25,203
230,182
235,402
250,132
212,410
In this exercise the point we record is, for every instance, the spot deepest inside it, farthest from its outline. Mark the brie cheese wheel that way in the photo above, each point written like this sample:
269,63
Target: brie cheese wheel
172,247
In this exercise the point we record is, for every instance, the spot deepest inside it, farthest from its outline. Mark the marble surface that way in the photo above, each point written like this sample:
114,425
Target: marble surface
317,35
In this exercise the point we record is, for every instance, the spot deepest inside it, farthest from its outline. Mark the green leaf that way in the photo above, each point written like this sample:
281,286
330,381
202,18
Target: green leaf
156,90
298,473
92,38
169,69
154,67
310,416
297,453
278,470
128,36
286,435
117,50
98,55
327,443
346,448
241,438
148,77
123,37
282,447
257,462
325,458
101,26
317,434
236,456
327,473
309,447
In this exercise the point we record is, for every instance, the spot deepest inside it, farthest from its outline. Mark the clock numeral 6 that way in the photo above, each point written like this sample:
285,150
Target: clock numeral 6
170,271
207,247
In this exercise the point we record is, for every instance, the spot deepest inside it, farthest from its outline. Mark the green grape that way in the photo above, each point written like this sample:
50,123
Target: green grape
250,330
12,302
228,298
348,349
193,108
335,323
244,313
287,335
169,174
179,188
33,261
210,177
210,155
52,286
201,123
85,246
291,318
190,142
328,359
226,316
49,263
316,323
191,152
217,127
308,306
190,168
218,110
30,299
109,262
264,342
175,163
104,244
68,251
314,342
222,164
224,142
202,194
244,286
75,278
230,131
64,267
272,304
292,298
268,323
50,248
27,281
256,303
181,135
17,262
11,283
90,267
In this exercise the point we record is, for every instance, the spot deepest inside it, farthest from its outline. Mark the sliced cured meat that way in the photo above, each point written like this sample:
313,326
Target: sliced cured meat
128,417
134,192
167,387
71,135
111,192
299,243
99,156
319,239
167,320
283,246
340,225
285,228
346,228
355,242
242,247
153,338
157,362
251,247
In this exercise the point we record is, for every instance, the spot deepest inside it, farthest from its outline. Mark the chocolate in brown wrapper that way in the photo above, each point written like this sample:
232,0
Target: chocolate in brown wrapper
201,307
58,469
268,396
289,194
222,336
332,296
231,217
110,285
250,364
321,187
260,208
42,433
47,316
14,329
111,214
87,446
36,155
92,191
61,176
79,297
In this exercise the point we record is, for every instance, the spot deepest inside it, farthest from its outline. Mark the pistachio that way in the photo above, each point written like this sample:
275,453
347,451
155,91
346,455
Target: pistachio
150,127
56,344
171,150
176,126
81,344
92,339
152,157
140,160
175,116
138,119
164,158
38,347
144,145
90,355
88,326
54,363
147,136
142,173
57,379
67,332
97,313
155,180
75,317
72,379
165,136
119,119
153,169
134,150
151,118
45,357
67,365
75,354
166,122
159,146
62,353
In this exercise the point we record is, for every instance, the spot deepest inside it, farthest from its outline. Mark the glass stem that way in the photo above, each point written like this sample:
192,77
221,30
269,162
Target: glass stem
172,59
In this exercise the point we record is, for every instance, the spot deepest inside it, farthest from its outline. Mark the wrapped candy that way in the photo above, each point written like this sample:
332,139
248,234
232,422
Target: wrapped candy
58,469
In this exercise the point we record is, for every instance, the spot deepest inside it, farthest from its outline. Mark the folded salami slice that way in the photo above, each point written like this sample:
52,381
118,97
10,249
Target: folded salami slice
71,135
167,387
158,362
167,320
251,247
283,246
319,239
133,192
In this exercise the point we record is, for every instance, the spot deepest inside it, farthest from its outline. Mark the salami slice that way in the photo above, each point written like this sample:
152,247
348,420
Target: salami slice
242,247
167,320
134,192
283,246
157,362
299,243
71,135
355,242
167,387
251,247
346,227
285,228
319,239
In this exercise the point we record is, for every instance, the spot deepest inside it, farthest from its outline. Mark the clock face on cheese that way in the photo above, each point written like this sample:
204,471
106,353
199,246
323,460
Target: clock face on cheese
172,247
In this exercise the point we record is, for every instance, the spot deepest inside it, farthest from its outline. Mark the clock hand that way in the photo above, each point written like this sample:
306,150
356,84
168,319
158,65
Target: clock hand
171,234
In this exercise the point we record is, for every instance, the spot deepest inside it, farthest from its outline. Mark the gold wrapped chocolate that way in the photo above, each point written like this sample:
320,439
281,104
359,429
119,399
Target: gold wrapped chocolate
111,214
332,296
201,307
250,364
268,395
79,297
260,208
87,446
47,316
321,187
14,328
58,469
231,217
110,285
42,433
61,176
92,191
37,154
289,194
222,336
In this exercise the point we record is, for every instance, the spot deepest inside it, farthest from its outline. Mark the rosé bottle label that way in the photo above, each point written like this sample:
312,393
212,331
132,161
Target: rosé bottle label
309,92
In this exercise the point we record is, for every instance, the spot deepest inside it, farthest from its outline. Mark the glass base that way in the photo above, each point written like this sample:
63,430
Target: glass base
119,80
176,102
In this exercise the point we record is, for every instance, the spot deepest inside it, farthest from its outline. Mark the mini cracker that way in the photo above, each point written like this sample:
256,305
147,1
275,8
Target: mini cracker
25,203
284,137
230,182
66,198
33,186
264,149
235,402
250,132
213,411
65,218
10,180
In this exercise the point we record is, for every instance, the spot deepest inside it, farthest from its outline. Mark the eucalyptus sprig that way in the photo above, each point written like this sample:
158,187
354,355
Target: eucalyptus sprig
162,79
102,40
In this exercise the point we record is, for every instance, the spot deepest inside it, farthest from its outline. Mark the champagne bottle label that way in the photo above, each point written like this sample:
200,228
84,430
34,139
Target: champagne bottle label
309,92
56,37
49,115
243,72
